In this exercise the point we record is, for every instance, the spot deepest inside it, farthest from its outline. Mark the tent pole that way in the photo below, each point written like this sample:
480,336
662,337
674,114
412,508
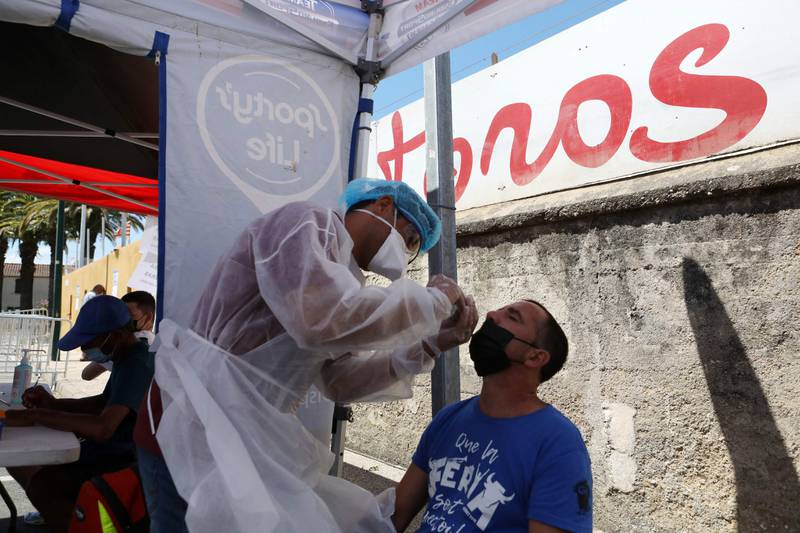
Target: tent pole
74,122
71,133
55,305
84,183
369,70
87,245
82,238
446,377
364,130
103,233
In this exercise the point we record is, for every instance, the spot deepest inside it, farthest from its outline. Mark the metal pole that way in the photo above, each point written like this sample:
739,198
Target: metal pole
364,130
56,305
87,244
74,122
71,133
82,238
369,82
103,233
446,378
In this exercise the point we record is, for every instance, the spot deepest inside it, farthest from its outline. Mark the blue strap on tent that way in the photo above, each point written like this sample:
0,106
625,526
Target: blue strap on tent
365,105
68,10
160,45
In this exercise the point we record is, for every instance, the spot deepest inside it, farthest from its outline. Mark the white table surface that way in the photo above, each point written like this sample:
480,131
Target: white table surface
35,445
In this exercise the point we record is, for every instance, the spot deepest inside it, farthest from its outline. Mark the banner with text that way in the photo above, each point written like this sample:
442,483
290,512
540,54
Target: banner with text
641,86
248,132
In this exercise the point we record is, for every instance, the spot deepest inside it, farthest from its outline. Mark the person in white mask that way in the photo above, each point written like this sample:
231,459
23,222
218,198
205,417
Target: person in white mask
287,308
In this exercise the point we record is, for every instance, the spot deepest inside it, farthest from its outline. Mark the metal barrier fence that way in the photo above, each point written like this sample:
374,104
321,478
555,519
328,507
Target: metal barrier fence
40,311
34,332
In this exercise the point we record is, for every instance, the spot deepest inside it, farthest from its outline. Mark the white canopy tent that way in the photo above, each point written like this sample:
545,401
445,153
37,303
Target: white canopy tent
259,101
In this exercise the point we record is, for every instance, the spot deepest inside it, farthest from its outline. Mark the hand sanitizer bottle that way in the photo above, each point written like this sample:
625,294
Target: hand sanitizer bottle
22,378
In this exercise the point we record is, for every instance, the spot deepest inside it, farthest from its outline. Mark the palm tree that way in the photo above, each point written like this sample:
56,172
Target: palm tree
13,214
30,220
113,223
39,216
39,219
7,231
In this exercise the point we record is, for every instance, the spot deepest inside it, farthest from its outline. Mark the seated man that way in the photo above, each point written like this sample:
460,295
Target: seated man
103,330
142,307
504,460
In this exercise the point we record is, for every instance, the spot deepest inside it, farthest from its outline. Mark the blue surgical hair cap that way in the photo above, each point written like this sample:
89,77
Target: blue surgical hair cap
408,202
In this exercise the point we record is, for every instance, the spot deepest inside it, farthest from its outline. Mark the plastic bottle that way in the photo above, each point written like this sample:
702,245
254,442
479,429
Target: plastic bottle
22,378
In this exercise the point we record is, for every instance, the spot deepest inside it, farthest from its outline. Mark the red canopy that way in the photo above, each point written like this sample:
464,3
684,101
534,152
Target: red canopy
80,184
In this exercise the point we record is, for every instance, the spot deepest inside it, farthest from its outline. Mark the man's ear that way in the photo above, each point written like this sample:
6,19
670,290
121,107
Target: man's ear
538,358
384,204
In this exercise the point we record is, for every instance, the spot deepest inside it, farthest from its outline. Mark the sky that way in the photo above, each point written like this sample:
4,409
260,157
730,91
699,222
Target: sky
405,87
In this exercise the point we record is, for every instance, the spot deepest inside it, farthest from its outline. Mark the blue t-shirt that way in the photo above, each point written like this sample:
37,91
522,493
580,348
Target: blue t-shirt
495,474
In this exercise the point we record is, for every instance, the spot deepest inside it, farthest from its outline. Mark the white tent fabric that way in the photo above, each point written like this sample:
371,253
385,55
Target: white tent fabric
444,26
410,31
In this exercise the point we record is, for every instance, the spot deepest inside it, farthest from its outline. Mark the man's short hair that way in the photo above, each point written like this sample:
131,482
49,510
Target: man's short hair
143,300
552,339
361,205
99,289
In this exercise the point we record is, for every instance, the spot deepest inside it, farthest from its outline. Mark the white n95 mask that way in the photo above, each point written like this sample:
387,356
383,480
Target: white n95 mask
390,261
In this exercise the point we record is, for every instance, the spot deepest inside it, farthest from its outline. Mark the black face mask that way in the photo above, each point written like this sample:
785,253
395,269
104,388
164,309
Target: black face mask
487,349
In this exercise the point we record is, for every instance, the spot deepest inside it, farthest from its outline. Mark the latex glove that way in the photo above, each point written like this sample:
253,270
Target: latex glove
458,328
449,287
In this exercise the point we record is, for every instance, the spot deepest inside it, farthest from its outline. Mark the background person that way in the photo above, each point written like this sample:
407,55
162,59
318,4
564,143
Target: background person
97,290
504,460
285,308
142,307
103,330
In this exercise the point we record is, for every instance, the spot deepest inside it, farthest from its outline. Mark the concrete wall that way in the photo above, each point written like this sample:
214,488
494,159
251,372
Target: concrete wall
679,293
76,284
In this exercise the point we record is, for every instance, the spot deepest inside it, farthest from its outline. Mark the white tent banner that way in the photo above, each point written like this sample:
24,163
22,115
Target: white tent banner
612,97
246,133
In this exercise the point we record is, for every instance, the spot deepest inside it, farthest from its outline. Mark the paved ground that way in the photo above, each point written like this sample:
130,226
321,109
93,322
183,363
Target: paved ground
366,472
20,500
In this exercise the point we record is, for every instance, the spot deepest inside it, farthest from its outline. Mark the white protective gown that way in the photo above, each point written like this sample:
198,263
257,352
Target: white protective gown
285,309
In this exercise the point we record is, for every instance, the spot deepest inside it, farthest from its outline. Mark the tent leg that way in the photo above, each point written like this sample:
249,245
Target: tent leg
364,130
342,414
55,306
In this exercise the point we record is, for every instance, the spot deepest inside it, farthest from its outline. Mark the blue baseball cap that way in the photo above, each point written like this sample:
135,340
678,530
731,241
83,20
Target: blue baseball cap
101,314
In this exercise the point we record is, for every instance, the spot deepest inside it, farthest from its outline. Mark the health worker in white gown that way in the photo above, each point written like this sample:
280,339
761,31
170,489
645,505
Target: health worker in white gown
286,309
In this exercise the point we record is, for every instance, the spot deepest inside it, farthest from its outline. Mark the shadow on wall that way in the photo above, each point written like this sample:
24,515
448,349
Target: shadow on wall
767,487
